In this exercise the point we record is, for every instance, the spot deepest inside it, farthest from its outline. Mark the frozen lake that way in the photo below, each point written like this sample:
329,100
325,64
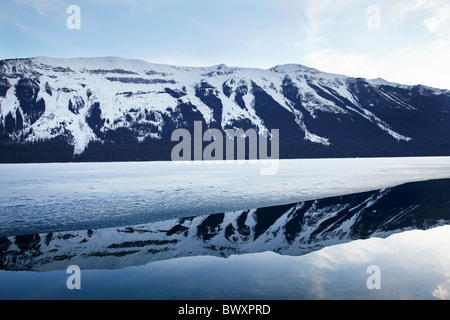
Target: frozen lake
162,230
36,198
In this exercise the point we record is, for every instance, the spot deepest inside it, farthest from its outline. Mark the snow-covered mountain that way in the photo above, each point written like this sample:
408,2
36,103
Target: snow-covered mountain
293,229
114,108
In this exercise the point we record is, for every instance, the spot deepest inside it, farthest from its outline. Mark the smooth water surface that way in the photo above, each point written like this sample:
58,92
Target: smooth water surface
412,265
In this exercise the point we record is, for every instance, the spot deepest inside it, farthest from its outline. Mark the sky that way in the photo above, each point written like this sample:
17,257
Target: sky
404,41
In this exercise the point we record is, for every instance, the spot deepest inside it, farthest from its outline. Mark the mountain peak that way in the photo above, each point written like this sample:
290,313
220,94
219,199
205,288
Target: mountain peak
293,68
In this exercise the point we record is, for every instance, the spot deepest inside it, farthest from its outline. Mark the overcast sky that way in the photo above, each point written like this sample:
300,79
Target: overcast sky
406,41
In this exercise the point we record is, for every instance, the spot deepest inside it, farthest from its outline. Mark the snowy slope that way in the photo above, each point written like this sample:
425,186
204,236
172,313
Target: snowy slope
92,99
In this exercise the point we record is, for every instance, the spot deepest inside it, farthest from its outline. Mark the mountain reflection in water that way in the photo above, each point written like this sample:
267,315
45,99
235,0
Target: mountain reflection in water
292,229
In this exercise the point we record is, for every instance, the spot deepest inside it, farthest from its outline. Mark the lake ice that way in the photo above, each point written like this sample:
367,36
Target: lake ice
37,198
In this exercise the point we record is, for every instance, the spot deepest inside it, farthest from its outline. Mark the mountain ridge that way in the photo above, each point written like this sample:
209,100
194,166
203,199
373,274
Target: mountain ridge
109,104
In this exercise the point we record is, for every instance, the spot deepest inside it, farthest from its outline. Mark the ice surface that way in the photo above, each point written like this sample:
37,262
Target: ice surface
37,198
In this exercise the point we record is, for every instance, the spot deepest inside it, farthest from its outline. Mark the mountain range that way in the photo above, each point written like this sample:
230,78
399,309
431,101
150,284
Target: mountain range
115,109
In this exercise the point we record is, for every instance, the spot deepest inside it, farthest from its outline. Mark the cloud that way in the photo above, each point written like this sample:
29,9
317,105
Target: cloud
351,64
438,12
411,48
403,9
42,7
428,66
139,6
321,16
443,290
440,22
